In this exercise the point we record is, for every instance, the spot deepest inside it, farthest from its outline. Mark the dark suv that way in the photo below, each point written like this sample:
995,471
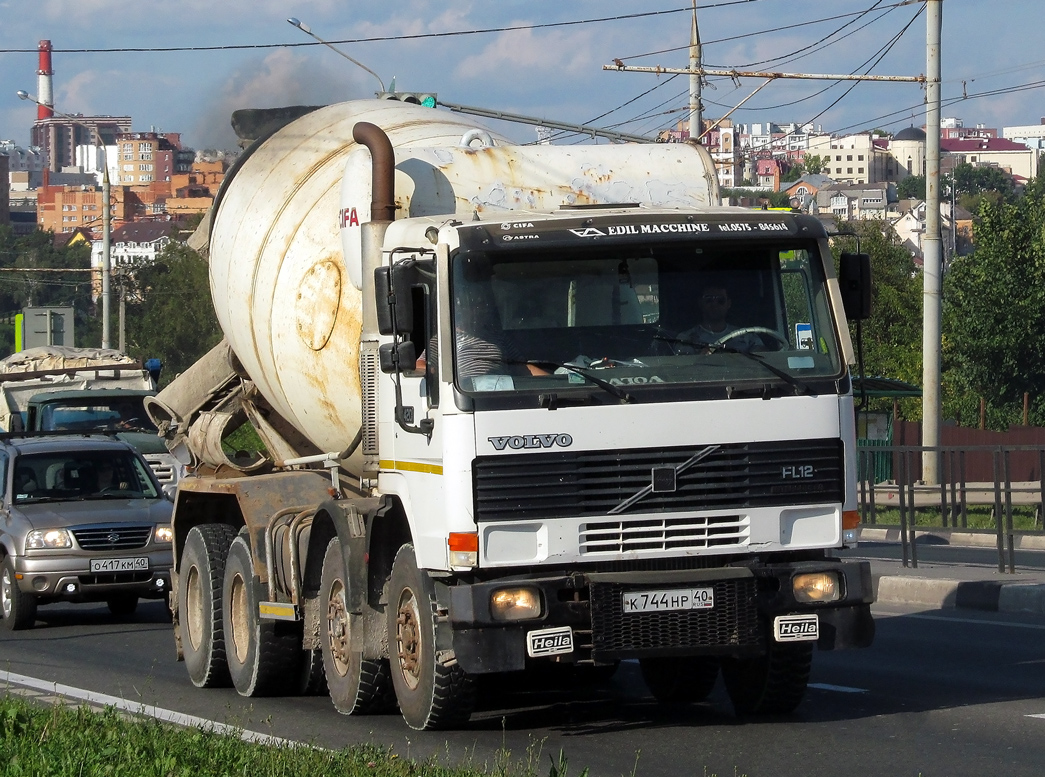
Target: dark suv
82,519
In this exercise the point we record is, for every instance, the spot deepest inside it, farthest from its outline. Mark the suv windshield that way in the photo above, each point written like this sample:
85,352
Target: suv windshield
85,415
686,315
103,474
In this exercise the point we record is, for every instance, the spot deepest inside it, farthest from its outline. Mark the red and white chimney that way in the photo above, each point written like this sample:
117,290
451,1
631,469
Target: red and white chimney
44,84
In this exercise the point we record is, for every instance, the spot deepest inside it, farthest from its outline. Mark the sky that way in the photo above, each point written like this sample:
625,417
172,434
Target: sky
231,54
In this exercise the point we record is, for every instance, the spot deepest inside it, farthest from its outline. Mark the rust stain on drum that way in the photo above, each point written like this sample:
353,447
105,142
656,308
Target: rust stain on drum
317,302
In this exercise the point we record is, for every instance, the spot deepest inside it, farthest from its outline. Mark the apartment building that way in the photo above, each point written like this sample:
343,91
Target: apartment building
58,137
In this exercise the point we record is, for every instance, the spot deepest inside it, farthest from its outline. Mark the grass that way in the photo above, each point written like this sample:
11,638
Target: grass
977,517
58,740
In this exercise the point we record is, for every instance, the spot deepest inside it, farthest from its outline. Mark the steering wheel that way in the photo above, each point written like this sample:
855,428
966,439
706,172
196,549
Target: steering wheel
753,330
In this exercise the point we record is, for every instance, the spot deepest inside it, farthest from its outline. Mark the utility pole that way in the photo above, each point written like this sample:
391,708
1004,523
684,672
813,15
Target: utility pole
696,116
123,307
932,267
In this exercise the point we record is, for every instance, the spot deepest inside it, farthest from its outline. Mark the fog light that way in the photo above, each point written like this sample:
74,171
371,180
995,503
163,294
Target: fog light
850,537
163,534
515,604
816,587
70,588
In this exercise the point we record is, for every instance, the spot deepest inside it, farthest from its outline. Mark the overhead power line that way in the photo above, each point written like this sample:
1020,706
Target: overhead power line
384,38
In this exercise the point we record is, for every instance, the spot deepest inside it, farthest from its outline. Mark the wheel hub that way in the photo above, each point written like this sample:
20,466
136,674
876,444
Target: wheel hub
408,639
6,594
337,628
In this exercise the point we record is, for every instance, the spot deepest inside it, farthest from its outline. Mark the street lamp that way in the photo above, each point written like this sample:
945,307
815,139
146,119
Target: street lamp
308,31
106,215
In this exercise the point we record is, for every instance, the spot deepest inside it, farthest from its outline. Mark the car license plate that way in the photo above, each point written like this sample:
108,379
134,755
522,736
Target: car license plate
138,564
667,600
549,642
796,628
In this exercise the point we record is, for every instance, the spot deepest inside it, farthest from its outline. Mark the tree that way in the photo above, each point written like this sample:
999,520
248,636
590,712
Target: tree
892,336
170,315
994,315
815,163
21,287
793,173
911,188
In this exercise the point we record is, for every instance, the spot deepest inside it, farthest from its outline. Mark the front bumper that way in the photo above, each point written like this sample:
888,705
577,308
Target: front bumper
69,578
747,599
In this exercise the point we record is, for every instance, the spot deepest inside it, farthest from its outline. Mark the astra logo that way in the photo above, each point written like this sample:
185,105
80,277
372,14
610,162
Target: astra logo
520,442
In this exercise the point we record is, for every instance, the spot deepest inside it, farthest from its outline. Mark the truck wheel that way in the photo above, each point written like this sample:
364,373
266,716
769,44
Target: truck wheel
202,573
262,655
122,605
312,680
432,690
679,680
773,684
18,608
357,685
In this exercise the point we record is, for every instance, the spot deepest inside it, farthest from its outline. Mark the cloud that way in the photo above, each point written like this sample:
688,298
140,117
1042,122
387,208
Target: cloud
525,51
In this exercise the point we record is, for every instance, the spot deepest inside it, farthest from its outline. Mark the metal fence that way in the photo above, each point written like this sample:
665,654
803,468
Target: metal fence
902,489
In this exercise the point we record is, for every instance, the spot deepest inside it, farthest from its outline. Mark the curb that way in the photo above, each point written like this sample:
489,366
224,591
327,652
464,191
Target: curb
945,594
984,539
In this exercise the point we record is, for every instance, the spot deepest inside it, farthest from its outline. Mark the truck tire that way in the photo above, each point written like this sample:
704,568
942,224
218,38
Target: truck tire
679,680
122,605
432,690
312,679
263,656
773,684
17,608
356,685
202,573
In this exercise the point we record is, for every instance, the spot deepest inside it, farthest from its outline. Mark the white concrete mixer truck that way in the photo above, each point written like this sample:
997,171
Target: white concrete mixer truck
519,406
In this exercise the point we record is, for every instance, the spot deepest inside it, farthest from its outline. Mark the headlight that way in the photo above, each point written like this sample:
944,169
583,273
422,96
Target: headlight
816,587
515,604
48,538
164,533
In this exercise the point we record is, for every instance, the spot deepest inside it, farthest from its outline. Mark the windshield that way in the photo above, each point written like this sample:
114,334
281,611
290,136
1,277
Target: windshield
124,414
639,317
103,474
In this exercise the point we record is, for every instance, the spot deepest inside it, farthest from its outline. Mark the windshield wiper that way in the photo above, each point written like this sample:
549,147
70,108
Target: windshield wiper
800,386
605,385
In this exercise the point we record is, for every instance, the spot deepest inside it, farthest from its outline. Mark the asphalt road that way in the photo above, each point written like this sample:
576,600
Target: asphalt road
940,693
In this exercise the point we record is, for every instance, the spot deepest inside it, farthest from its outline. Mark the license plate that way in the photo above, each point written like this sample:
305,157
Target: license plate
549,642
667,600
139,564
796,628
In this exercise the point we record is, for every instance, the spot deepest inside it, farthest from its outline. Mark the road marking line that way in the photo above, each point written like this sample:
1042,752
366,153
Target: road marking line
137,708
1034,626
1037,715
836,688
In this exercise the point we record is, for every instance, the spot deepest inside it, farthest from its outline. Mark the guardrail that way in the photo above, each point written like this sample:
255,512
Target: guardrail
954,494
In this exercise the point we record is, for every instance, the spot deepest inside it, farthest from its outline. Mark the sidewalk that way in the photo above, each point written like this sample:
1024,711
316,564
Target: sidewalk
957,586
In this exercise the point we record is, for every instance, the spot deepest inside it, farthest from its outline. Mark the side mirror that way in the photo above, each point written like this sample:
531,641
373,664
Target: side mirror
854,279
395,313
170,490
400,357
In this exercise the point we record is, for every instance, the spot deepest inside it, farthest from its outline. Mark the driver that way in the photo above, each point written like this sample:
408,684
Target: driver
713,328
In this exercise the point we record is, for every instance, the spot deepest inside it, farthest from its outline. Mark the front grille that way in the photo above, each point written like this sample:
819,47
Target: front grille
571,485
731,624
112,537
662,534
161,468
112,578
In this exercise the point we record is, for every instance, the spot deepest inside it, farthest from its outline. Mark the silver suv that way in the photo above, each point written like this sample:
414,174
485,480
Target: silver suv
82,519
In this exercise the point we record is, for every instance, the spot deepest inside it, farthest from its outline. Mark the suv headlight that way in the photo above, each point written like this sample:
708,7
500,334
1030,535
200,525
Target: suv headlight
48,538
163,533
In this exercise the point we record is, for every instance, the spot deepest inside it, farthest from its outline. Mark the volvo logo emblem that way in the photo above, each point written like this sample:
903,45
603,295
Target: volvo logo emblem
520,441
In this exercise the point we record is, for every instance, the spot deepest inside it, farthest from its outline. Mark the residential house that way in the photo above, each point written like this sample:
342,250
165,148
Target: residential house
852,203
